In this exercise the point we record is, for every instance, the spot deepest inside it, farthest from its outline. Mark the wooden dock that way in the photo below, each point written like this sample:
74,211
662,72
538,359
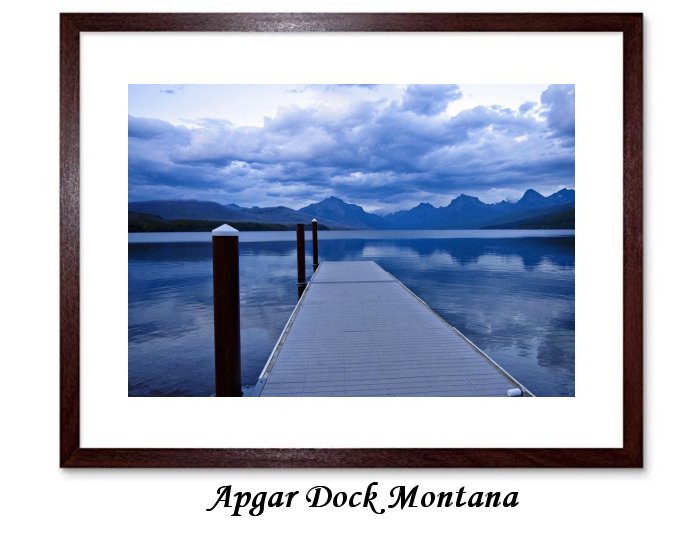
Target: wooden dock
358,331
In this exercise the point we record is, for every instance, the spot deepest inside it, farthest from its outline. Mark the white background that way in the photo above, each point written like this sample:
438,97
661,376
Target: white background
593,62
42,502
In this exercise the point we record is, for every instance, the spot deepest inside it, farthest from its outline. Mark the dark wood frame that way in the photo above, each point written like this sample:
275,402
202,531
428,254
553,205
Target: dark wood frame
72,455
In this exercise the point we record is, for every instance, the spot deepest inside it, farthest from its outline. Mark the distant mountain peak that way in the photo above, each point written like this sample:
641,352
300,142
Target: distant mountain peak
562,192
336,209
531,196
465,199
564,196
333,200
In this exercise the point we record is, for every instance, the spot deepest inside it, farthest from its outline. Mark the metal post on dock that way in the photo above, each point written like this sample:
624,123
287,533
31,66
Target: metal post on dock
227,312
314,237
301,260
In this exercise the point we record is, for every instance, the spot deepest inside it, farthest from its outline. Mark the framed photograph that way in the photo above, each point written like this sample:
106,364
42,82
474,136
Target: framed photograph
354,240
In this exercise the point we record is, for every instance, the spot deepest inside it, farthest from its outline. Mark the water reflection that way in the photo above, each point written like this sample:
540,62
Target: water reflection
514,297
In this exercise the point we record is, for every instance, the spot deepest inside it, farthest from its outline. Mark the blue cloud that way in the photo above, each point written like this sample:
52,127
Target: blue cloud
527,106
377,153
144,128
429,99
558,103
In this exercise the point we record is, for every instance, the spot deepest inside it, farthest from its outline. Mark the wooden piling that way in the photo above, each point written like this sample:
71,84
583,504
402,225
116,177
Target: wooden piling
227,312
314,236
301,260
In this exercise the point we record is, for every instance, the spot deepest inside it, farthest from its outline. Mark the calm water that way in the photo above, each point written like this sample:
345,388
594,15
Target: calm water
510,292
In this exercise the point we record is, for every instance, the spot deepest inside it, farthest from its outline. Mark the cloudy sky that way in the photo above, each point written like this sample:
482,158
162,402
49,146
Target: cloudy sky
385,147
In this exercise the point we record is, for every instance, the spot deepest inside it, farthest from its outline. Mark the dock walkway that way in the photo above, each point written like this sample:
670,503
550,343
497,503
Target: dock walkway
358,331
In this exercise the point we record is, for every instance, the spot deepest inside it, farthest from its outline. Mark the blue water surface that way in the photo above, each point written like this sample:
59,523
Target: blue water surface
510,292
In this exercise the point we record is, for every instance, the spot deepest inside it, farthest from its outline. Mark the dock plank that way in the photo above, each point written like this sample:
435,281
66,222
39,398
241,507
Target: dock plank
358,331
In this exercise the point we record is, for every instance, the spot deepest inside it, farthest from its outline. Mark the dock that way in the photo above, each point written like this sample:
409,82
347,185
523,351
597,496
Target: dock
358,331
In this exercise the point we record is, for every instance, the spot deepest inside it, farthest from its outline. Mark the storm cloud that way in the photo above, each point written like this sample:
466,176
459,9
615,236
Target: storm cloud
382,153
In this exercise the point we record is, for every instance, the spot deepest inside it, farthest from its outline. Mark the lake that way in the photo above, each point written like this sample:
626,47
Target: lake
510,292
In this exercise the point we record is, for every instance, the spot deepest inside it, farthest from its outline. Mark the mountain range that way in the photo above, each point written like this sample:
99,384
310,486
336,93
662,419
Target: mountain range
533,210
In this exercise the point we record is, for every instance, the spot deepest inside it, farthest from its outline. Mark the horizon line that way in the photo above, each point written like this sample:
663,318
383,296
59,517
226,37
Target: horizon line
352,203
